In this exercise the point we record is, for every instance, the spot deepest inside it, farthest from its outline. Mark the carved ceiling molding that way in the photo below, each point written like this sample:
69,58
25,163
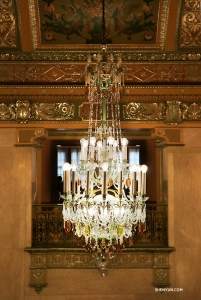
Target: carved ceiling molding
9,33
78,99
81,55
171,112
69,73
190,33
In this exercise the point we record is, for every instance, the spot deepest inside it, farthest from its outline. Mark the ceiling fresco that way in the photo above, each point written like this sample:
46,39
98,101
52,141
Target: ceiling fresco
80,22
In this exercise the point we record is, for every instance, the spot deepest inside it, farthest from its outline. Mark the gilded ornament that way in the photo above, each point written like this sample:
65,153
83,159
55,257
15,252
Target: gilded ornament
22,111
8,24
191,24
7,112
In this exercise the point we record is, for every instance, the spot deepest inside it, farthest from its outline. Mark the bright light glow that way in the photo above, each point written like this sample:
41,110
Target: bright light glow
84,142
74,166
99,144
133,168
144,168
105,167
92,140
110,140
66,166
124,142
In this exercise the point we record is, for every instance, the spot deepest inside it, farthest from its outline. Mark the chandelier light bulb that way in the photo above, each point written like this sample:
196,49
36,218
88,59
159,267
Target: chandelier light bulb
74,167
99,144
144,168
92,140
110,140
66,166
105,167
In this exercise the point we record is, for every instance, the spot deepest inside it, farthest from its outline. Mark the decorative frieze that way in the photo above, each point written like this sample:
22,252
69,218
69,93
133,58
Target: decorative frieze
81,56
24,112
74,72
171,112
43,259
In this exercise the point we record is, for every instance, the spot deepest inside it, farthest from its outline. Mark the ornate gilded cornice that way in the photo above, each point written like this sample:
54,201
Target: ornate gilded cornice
171,111
81,55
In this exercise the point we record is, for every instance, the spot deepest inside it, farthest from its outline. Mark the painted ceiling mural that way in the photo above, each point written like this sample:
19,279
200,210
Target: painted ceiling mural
80,21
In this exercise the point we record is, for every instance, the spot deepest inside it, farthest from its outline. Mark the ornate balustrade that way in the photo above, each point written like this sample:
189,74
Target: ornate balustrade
53,248
48,228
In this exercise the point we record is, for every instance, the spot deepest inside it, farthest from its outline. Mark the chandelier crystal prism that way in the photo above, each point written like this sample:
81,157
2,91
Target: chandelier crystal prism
103,200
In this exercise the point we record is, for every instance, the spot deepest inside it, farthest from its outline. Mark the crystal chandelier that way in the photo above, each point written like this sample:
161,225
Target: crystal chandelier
104,196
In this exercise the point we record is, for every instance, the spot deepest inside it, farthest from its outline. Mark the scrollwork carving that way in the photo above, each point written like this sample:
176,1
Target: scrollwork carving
7,112
171,111
191,24
161,273
148,111
38,279
8,25
52,111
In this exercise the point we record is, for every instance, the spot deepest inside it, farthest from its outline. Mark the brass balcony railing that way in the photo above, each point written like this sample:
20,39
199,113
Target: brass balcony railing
48,231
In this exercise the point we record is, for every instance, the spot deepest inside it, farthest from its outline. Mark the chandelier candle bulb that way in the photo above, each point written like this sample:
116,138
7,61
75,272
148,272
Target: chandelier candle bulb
73,177
120,182
124,143
99,146
104,185
92,145
139,179
66,169
88,183
115,150
84,145
144,170
110,141
134,184
142,184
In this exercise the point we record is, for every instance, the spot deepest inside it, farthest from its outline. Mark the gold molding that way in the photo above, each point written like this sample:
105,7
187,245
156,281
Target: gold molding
72,258
164,19
169,111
